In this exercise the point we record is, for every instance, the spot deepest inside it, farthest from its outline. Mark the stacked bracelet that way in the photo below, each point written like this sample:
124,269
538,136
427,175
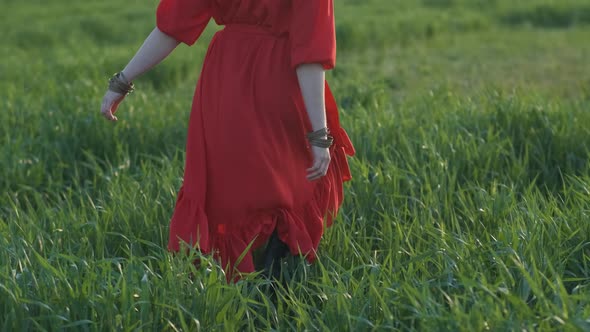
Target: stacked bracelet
119,84
320,138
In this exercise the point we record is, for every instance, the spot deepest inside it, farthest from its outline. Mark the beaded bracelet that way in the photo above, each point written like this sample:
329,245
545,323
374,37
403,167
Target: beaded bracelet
320,138
119,84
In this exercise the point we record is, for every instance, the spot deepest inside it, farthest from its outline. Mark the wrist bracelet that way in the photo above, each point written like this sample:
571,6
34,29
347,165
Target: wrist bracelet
320,138
119,84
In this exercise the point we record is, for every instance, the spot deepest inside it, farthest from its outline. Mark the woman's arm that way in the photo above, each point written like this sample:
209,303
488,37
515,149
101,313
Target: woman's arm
311,83
312,35
156,47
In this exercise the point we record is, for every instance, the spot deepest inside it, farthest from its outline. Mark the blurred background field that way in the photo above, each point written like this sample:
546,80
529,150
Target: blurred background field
469,205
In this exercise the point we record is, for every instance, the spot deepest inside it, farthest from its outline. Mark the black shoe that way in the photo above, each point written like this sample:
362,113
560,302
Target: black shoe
274,252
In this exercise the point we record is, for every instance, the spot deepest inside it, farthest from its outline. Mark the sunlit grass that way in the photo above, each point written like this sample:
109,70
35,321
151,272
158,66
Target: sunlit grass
468,210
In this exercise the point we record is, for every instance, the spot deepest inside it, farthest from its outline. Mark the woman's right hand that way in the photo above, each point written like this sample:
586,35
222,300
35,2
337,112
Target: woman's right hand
321,162
110,103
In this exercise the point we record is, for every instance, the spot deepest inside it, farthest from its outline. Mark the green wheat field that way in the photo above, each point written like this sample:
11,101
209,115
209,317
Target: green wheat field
469,209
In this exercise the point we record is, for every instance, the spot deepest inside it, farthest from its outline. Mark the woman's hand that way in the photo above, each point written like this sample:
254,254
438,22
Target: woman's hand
156,47
321,162
110,103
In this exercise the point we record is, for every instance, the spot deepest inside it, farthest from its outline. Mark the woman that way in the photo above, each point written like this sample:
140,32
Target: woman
262,168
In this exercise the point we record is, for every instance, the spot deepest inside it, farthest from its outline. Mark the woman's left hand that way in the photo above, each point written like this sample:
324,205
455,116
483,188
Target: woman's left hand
321,162
110,103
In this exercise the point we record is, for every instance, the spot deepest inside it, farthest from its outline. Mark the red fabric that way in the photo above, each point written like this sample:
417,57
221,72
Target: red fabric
312,33
247,153
185,20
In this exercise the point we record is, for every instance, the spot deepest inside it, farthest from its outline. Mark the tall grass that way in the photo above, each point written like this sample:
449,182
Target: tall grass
468,210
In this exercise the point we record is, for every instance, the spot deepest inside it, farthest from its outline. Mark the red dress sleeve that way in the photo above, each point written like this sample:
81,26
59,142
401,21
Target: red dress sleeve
312,33
183,20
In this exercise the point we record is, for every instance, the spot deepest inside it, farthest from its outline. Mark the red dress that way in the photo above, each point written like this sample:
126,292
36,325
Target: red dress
247,153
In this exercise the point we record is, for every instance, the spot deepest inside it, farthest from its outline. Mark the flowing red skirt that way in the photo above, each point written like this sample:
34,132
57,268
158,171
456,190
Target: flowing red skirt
247,155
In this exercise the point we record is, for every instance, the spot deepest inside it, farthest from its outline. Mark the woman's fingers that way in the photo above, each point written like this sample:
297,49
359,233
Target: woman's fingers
108,114
319,169
105,109
109,106
314,172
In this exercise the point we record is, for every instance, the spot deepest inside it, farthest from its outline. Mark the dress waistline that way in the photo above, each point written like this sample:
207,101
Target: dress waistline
252,29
